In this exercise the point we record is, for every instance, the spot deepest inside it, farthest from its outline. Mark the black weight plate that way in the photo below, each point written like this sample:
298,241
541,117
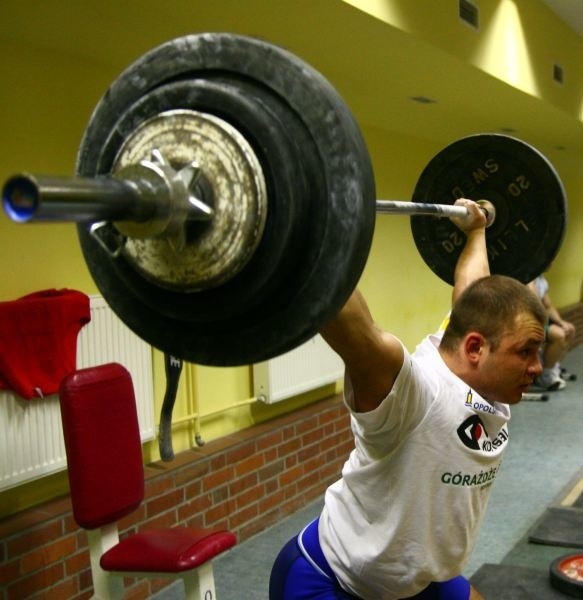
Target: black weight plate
530,202
566,574
287,224
321,198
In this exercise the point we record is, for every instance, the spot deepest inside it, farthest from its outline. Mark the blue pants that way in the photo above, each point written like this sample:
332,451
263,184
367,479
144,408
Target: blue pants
295,577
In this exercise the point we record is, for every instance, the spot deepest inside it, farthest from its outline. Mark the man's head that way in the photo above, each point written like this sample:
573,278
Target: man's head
493,338
490,306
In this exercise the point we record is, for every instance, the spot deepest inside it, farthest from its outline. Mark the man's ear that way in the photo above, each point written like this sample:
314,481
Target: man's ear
474,344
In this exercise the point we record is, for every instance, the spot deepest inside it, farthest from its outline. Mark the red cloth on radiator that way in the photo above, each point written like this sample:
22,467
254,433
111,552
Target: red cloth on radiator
38,340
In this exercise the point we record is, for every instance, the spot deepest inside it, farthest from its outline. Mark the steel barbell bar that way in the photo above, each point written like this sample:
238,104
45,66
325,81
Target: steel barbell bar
33,198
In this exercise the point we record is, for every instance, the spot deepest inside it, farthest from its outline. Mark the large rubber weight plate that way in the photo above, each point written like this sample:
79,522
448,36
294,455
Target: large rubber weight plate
321,198
530,202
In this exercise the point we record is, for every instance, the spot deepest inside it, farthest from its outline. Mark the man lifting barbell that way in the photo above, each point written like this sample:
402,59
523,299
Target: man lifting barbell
225,205
430,429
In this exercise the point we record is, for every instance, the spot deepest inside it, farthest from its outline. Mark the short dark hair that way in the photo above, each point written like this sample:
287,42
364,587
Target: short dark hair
490,306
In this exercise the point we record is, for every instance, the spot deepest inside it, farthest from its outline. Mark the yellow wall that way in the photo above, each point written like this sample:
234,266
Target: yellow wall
519,41
47,96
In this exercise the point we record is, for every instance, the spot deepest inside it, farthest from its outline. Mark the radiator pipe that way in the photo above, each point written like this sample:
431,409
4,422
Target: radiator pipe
196,415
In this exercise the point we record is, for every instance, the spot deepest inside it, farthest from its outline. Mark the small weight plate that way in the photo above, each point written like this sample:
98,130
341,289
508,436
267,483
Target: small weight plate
566,574
214,253
530,202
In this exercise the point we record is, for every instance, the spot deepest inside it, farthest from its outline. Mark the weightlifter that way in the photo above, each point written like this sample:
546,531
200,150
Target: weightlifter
430,429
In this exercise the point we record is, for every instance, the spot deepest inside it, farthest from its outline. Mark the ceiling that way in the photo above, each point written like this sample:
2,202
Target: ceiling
376,68
571,11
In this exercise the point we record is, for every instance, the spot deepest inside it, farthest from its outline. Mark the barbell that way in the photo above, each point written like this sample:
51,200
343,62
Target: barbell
225,200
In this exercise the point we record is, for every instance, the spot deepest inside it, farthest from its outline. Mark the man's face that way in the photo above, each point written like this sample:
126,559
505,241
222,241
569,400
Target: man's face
507,371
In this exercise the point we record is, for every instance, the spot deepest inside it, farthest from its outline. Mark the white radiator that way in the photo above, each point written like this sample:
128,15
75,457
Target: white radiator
310,366
31,439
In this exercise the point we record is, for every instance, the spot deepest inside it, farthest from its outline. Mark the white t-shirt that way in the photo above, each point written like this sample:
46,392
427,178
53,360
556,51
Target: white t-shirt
413,492
541,286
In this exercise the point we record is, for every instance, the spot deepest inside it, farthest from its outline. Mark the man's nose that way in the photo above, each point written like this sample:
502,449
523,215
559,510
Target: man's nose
536,368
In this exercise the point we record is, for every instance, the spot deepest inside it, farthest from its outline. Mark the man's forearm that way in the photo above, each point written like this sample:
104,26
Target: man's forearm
472,263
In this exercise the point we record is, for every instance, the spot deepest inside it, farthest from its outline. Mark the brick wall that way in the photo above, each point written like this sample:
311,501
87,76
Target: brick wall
245,482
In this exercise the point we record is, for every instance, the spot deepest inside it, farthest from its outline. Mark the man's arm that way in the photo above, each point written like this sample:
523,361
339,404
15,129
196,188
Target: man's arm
472,263
372,357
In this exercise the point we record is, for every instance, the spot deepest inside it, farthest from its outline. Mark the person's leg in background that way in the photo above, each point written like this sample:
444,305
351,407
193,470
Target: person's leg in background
556,347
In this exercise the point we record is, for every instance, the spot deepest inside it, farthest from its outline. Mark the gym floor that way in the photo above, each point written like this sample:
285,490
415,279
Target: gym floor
543,462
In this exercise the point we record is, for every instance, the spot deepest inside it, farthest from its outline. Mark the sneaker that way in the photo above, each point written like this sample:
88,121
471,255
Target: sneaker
568,376
550,382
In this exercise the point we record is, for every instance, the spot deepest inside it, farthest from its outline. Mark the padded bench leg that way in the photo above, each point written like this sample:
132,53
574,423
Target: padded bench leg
105,586
200,583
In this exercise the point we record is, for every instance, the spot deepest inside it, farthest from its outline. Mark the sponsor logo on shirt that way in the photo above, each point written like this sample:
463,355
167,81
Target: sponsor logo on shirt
482,479
473,435
477,404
